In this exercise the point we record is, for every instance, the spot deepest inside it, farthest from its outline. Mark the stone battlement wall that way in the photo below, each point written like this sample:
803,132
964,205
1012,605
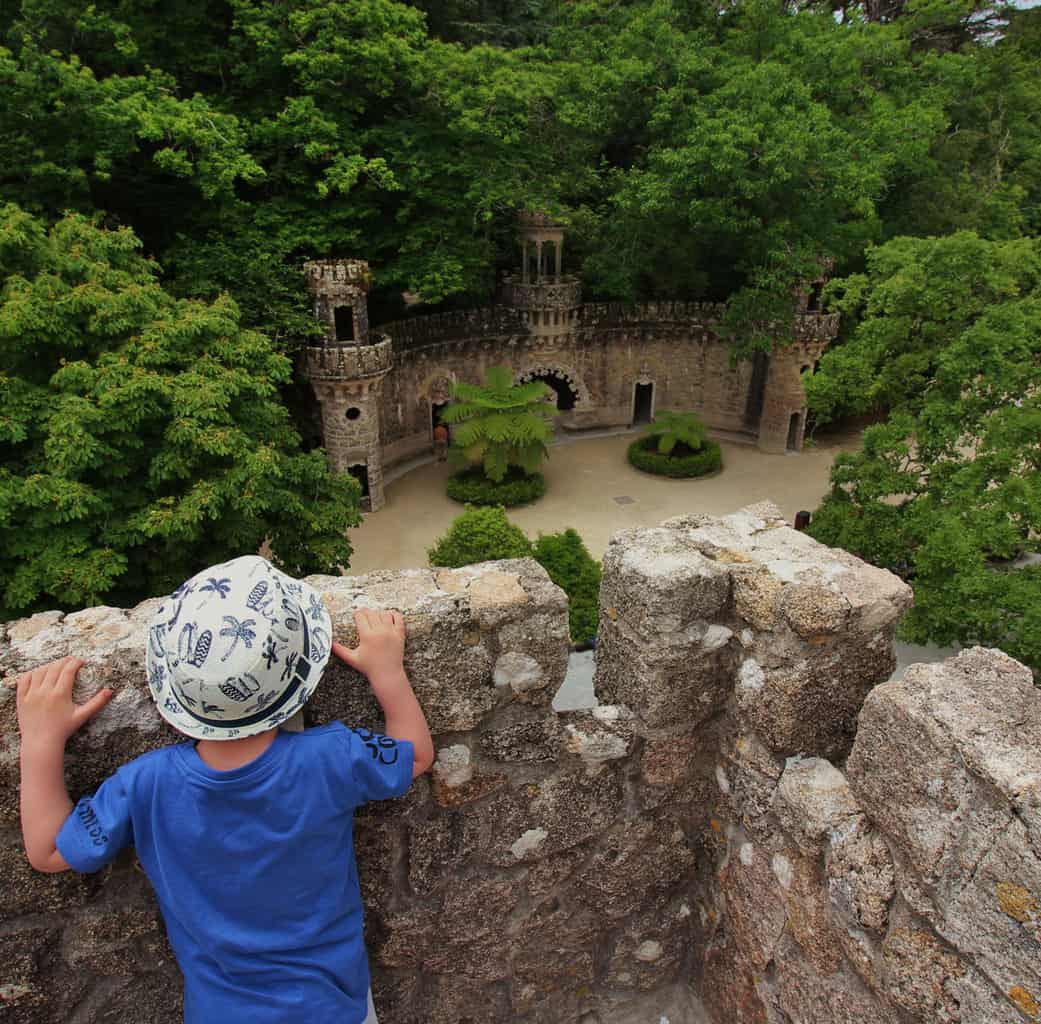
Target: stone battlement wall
489,321
748,815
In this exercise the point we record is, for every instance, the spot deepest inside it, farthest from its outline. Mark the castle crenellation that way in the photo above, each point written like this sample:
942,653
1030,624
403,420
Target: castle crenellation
753,826
611,364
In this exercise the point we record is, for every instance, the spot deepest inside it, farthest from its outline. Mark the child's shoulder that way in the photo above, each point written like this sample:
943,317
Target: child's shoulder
153,761
331,732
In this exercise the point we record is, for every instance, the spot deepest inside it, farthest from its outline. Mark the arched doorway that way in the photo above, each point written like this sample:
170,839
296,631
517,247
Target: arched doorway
566,392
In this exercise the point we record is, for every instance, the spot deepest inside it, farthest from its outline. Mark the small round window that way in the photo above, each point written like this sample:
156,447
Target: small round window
353,412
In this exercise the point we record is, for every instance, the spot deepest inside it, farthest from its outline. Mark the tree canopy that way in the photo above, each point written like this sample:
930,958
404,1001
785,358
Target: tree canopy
695,151
141,436
948,490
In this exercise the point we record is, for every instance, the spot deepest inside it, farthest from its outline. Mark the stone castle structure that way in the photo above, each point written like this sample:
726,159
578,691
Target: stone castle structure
610,364
753,827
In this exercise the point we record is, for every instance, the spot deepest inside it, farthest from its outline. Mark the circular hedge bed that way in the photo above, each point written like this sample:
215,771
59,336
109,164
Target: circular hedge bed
472,487
681,462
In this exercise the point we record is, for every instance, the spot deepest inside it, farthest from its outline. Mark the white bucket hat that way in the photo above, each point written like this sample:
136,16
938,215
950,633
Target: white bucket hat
236,650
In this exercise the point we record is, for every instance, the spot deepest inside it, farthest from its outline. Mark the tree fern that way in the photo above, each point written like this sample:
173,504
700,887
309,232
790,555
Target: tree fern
500,424
673,428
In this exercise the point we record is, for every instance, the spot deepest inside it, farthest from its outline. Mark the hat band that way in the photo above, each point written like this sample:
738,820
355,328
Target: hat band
303,670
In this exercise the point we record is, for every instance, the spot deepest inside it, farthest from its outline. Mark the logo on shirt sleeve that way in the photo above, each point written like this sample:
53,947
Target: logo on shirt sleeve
85,812
382,748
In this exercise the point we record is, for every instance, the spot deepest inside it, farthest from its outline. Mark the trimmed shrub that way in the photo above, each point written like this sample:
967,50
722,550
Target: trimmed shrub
572,568
479,535
644,454
472,487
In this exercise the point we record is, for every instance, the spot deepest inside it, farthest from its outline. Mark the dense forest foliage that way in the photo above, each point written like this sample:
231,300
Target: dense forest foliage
695,150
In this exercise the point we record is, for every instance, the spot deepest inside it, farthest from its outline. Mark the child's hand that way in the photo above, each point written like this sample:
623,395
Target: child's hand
381,646
46,710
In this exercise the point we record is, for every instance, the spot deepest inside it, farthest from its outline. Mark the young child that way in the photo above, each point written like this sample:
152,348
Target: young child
245,829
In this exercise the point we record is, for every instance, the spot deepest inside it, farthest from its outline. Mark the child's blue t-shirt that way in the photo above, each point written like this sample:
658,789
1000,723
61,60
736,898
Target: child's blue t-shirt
253,868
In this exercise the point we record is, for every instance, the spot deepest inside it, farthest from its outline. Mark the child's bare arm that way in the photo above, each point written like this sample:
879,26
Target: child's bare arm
378,656
47,717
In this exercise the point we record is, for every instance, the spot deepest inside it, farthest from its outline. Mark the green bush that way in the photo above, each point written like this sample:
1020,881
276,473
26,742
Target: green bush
472,487
485,535
572,568
644,454
479,535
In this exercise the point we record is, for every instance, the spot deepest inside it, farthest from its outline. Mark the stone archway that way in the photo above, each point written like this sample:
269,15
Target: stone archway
566,383
434,395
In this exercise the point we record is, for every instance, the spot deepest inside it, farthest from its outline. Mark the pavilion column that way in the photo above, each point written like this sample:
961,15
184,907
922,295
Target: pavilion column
524,263
558,256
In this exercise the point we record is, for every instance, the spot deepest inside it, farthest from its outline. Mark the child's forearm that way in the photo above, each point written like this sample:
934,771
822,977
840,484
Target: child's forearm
45,802
405,719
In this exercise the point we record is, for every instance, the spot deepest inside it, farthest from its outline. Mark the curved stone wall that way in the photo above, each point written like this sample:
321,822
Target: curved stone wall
605,349
748,817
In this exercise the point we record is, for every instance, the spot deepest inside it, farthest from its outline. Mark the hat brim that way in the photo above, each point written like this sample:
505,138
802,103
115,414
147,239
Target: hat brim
317,627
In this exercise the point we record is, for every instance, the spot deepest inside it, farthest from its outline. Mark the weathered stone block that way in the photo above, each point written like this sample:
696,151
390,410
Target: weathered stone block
117,940
25,891
962,813
500,830
812,997
805,896
573,806
933,984
455,998
811,801
861,875
634,868
755,915
671,681
24,991
604,734
535,740
659,583
153,998
727,986
648,951
436,850
810,706
671,761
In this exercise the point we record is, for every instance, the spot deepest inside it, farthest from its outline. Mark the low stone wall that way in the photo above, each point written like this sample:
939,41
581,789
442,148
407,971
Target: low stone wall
723,821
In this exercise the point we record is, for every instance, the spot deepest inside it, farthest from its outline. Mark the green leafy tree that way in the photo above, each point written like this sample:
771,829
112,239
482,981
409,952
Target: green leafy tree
479,535
948,491
571,567
679,432
141,435
500,424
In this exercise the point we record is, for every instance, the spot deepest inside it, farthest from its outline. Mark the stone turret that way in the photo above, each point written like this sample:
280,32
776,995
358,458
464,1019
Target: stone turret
347,371
548,299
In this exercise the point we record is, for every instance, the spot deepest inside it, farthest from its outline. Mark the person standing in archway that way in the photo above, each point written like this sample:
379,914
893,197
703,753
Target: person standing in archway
441,442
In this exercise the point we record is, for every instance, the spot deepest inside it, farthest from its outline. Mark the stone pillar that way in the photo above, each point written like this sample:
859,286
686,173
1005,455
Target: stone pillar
745,651
524,262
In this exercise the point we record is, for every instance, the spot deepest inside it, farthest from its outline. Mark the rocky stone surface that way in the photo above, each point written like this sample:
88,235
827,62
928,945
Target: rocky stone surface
747,830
